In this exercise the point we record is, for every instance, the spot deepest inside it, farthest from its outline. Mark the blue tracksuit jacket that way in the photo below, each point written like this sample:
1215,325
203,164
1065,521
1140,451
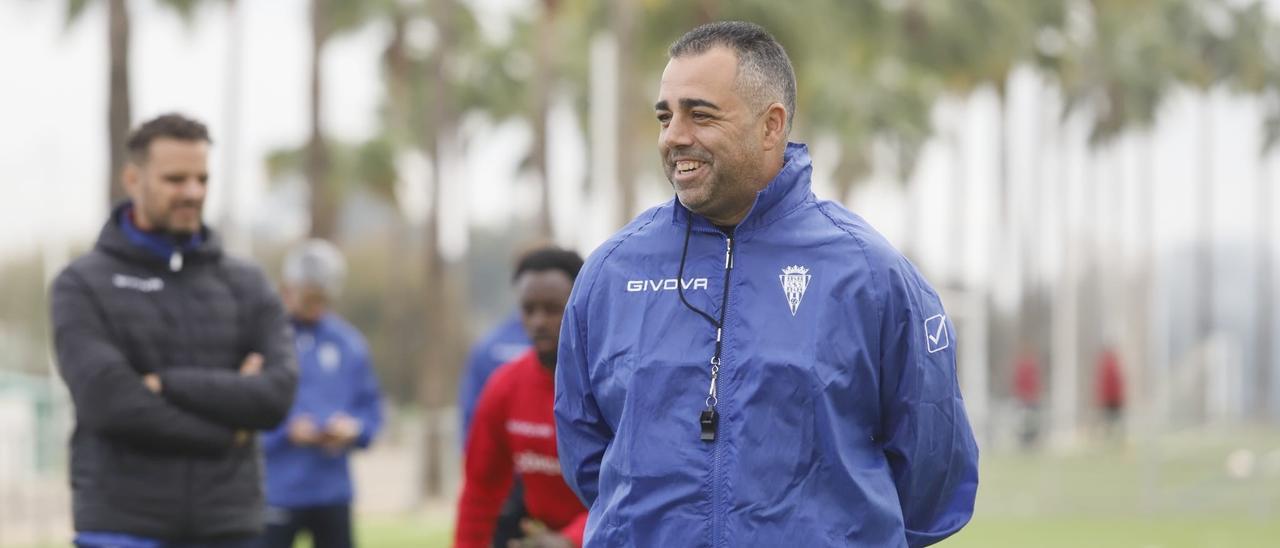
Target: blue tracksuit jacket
840,417
334,375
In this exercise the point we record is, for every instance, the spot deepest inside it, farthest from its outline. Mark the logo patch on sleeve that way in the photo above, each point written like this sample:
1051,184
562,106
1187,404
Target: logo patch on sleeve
935,333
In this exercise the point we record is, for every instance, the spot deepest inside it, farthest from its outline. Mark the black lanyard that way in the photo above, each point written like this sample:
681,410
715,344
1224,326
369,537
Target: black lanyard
709,419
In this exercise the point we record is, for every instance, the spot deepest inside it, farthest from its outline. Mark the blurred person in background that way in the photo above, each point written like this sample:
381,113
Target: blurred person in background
513,432
505,342
1109,391
1027,391
746,365
174,354
338,408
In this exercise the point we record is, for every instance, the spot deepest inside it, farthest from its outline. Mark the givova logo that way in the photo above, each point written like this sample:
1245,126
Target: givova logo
669,284
145,285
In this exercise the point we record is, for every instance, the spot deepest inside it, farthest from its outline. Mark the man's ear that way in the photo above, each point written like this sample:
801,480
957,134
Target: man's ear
775,126
130,178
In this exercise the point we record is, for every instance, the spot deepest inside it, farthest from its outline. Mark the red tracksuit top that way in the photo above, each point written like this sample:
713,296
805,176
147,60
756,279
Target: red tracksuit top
513,431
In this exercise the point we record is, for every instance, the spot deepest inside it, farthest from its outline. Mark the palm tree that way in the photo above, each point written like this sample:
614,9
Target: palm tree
1119,80
544,80
622,22
119,109
1266,321
119,106
328,19
1254,51
1204,63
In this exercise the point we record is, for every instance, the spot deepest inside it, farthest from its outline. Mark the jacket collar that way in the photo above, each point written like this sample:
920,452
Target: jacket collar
121,238
788,190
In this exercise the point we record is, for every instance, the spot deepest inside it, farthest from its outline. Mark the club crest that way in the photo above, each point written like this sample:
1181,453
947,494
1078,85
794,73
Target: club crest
795,280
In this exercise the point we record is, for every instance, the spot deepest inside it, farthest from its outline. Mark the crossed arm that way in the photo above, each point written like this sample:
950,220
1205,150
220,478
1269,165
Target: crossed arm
257,396
186,410
109,399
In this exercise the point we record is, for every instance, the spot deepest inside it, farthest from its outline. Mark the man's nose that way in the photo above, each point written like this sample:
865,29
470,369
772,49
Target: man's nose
193,188
678,132
539,319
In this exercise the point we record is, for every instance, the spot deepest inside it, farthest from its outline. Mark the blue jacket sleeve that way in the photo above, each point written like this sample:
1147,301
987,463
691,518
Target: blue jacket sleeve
277,438
926,435
473,377
367,407
582,435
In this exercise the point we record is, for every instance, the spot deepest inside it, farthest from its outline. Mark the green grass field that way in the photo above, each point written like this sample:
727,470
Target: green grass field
1172,494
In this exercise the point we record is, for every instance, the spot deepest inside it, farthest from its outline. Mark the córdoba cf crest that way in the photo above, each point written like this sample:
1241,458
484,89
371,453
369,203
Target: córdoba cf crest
795,279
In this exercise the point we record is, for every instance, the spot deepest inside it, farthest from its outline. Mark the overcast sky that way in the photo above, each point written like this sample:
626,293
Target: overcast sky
52,132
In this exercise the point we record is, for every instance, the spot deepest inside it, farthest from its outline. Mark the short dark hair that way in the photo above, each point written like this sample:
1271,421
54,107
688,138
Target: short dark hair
549,258
172,126
765,74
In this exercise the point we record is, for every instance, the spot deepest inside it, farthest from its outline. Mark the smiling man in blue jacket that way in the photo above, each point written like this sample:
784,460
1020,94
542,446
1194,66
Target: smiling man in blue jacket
747,365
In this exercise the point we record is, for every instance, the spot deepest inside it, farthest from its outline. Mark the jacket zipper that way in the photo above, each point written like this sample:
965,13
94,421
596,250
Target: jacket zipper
720,337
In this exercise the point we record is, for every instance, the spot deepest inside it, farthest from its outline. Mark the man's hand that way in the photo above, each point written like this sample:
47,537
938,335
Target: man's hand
252,364
340,432
152,382
303,432
537,535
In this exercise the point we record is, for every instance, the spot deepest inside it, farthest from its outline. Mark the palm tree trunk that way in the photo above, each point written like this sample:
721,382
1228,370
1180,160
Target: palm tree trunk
708,11
1204,186
234,238
1064,380
119,113
398,66
624,32
401,291
1144,376
322,203
542,83
446,317
1002,262
1266,292
959,254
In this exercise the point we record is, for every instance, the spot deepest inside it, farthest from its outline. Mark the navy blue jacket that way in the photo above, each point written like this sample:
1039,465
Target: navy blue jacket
167,466
840,417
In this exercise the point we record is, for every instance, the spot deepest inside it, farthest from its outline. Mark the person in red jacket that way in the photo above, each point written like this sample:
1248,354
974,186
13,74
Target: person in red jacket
1026,388
513,429
1109,386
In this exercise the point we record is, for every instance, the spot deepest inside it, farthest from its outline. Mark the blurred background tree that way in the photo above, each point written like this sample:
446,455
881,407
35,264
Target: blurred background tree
879,81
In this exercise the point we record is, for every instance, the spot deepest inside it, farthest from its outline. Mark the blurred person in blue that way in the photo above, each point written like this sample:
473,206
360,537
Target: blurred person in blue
505,342
174,354
747,365
338,408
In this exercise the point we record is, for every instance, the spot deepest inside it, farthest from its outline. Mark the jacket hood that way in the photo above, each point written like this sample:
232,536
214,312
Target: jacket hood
113,240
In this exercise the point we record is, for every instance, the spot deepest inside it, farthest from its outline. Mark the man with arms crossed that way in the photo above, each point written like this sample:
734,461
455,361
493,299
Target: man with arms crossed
174,354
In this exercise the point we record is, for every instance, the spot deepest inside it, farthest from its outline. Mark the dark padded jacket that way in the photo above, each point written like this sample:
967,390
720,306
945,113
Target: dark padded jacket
167,466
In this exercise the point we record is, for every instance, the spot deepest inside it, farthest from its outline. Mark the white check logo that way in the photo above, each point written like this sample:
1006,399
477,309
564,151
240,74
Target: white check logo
935,331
